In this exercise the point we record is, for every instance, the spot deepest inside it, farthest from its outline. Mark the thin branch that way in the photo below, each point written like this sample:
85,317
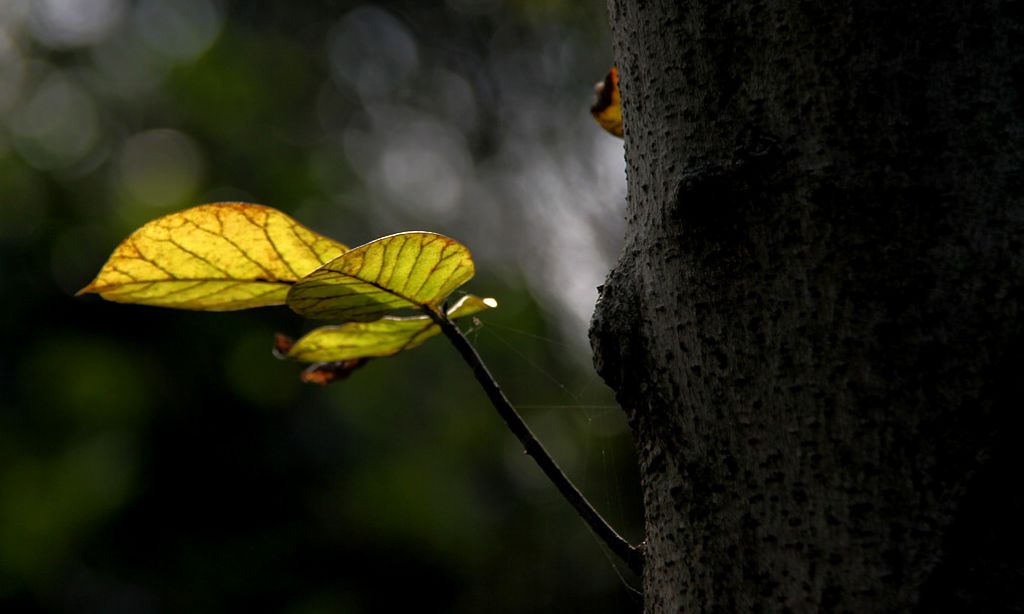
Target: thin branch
630,554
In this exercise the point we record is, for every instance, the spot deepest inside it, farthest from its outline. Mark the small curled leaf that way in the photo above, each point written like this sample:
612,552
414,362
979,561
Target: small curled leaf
282,345
408,270
215,257
324,373
607,106
384,337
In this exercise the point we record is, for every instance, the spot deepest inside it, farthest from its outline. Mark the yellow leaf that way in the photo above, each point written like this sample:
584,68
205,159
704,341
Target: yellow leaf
384,337
607,107
408,270
216,257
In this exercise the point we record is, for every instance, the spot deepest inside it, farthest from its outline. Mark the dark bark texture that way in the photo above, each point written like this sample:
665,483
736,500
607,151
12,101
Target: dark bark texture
815,326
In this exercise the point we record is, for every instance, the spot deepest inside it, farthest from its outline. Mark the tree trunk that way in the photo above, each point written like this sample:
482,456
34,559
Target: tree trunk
815,324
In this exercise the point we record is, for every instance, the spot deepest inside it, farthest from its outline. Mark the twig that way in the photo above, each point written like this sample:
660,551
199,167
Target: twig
631,555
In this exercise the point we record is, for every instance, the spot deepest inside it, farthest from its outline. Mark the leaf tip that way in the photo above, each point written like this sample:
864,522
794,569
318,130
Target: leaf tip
490,302
89,289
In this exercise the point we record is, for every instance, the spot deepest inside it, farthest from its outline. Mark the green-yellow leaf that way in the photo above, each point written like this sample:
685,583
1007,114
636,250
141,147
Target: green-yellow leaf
409,270
384,337
216,257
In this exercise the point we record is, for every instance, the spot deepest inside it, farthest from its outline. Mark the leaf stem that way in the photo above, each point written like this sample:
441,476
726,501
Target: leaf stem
630,554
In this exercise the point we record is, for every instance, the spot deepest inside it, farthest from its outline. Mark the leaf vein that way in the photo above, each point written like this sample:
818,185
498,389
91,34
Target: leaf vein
197,256
231,242
149,260
308,245
421,246
273,245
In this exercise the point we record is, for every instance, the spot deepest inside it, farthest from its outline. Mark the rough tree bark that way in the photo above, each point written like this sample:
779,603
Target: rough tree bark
815,324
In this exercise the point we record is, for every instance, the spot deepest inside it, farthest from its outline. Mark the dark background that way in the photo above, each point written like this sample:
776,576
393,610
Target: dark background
162,461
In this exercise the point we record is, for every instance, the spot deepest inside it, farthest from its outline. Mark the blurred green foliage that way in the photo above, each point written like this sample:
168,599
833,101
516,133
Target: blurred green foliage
162,461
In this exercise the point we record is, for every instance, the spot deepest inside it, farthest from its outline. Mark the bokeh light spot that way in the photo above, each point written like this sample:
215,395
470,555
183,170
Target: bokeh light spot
422,168
93,384
159,168
12,71
372,52
48,504
74,23
178,31
57,125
